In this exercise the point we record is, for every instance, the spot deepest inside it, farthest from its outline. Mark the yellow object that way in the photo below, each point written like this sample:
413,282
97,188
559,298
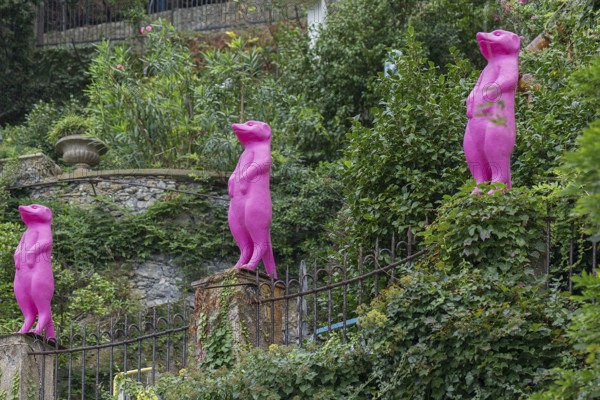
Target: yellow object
127,373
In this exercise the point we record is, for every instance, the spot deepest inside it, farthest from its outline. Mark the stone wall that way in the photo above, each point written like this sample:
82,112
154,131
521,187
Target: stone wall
30,169
130,190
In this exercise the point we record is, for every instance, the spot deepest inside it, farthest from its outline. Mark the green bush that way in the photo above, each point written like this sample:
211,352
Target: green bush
501,233
143,107
70,124
10,234
334,75
305,205
331,371
32,134
584,333
397,172
583,163
464,335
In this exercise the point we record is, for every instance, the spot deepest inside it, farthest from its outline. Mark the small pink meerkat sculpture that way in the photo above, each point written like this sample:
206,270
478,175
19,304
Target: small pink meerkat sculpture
34,280
250,209
491,131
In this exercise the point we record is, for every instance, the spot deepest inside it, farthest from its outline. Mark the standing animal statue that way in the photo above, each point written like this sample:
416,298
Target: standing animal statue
34,280
491,131
250,209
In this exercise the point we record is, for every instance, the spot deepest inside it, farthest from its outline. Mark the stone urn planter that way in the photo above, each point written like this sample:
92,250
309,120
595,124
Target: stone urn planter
83,152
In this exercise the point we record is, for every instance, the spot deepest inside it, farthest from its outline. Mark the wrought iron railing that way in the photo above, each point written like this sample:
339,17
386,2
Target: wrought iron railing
88,358
306,305
88,21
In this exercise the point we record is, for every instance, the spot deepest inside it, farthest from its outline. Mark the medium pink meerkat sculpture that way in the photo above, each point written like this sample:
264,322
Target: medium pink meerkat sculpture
250,209
34,280
491,131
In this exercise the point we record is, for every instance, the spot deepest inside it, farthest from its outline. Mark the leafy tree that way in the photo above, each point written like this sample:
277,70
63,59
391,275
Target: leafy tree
397,171
334,74
584,162
584,332
16,42
143,109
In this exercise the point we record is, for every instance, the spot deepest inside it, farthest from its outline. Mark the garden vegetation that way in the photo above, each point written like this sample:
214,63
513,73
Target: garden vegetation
357,155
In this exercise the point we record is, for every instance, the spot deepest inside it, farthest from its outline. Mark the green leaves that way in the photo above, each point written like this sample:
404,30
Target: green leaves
332,371
143,108
503,230
398,170
465,336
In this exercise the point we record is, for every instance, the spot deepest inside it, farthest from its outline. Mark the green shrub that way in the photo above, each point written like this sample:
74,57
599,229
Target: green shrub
305,205
331,371
10,234
584,333
583,163
143,107
334,75
70,124
397,172
32,134
464,335
501,233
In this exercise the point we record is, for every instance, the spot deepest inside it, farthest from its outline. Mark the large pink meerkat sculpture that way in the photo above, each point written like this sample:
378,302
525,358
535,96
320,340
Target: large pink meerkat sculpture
491,132
34,280
250,209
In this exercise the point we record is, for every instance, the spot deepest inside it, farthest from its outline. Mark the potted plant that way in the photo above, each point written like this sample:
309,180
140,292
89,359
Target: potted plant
73,140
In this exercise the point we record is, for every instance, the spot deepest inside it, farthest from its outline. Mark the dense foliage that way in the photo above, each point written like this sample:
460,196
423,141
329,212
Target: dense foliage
9,239
330,371
584,162
33,134
16,42
398,171
583,382
472,319
29,74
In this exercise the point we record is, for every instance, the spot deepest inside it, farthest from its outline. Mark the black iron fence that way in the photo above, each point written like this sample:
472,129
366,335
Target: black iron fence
87,359
308,304
88,21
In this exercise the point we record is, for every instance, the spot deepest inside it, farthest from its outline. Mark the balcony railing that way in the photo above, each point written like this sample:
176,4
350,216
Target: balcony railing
88,21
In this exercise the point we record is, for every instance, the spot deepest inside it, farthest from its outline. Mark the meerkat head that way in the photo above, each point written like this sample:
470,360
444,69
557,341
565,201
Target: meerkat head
498,42
252,132
35,213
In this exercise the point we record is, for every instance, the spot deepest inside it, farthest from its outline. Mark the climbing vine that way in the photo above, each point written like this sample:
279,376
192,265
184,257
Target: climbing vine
215,331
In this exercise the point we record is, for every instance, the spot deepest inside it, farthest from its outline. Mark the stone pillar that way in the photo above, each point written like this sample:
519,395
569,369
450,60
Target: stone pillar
227,314
24,376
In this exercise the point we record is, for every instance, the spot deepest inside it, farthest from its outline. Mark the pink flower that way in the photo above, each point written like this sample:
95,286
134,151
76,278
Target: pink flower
119,66
142,30
149,28
520,284
534,17
523,1
507,8
496,18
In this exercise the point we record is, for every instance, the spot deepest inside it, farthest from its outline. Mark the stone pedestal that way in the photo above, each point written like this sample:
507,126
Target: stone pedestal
228,312
24,376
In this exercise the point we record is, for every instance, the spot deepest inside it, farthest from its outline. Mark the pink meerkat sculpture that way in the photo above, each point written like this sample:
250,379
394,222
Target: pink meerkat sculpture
491,131
250,209
34,280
